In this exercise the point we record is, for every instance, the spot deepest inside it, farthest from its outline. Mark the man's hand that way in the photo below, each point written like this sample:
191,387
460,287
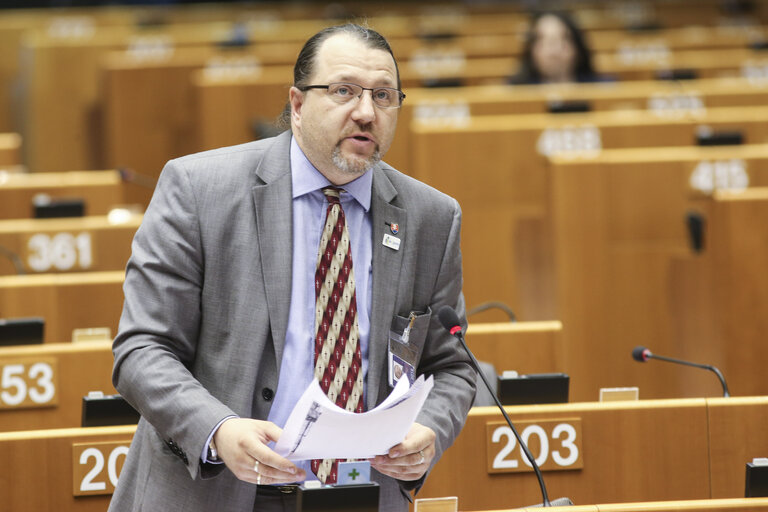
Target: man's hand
242,445
410,459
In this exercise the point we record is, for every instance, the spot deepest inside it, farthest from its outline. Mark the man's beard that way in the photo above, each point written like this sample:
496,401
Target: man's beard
354,166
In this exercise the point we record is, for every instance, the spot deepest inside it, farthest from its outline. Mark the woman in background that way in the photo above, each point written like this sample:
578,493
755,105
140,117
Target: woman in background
554,52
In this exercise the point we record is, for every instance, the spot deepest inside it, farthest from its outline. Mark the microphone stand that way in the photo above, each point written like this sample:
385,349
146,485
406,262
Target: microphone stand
458,334
695,365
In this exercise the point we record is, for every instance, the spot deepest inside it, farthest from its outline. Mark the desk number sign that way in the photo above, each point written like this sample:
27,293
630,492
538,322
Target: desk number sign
27,382
554,444
96,466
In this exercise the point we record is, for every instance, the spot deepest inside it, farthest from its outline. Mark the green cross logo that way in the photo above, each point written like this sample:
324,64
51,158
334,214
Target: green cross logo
354,474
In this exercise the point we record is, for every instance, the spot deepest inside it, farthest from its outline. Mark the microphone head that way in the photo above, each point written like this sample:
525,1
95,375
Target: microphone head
448,317
641,354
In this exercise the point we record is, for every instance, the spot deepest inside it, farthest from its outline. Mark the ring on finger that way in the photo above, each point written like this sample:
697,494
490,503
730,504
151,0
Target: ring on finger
258,479
421,452
256,467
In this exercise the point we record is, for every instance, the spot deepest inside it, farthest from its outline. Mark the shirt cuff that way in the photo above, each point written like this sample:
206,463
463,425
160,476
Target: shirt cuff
204,455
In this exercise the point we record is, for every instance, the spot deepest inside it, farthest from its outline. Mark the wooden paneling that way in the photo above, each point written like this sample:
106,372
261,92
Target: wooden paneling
620,232
641,451
66,301
39,467
67,244
495,166
629,451
10,150
81,367
101,190
526,347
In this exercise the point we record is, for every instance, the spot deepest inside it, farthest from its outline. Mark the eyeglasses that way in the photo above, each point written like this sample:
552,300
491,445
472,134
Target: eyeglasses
340,92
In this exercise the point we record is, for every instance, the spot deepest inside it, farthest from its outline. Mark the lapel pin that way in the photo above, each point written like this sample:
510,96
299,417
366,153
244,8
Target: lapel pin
394,227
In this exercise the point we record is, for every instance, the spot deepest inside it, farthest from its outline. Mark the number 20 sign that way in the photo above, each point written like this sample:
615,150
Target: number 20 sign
96,466
554,444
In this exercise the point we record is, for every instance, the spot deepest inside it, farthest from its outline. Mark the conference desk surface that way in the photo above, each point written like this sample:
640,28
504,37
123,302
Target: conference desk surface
632,452
722,505
647,450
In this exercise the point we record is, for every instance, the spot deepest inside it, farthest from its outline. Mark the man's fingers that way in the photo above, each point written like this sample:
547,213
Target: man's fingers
400,472
243,442
281,472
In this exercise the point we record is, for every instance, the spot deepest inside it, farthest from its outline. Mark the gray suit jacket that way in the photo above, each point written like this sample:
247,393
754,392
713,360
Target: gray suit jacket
207,295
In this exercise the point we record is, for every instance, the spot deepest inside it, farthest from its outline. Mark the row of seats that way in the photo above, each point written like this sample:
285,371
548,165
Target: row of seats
72,90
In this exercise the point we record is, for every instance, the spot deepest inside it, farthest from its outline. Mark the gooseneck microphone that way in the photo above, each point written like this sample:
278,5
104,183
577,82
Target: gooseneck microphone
450,320
642,355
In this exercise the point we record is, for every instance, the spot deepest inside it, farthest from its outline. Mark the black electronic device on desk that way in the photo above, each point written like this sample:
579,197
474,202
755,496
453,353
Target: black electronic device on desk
535,388
21,331
46,207
101,410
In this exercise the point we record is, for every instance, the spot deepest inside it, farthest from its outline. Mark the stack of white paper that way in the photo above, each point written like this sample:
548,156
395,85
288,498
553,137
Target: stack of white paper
319,429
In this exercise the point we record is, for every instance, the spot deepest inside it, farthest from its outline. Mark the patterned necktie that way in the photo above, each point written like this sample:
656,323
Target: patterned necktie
338,363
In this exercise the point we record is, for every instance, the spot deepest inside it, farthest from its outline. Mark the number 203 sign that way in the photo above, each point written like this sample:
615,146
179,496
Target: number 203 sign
554,444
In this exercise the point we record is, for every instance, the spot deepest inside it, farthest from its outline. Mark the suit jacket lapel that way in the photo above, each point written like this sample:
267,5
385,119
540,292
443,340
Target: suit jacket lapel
272,199
387,263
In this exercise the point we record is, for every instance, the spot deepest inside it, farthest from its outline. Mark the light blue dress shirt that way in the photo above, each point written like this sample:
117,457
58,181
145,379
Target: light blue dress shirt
309,211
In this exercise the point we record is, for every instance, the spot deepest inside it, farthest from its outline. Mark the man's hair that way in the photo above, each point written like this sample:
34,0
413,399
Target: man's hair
306,61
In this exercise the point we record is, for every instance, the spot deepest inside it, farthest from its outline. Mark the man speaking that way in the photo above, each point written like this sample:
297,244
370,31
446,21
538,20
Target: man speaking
261,267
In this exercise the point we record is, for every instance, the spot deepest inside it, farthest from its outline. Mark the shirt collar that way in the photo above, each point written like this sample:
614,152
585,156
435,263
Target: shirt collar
306,179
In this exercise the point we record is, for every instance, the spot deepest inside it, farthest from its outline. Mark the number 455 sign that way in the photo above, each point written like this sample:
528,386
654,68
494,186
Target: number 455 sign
555,445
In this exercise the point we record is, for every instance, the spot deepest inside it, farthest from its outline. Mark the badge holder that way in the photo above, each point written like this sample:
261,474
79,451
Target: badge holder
402,355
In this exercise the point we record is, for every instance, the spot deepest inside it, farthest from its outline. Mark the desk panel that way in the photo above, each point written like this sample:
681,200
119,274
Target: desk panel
66,301
68,244
37,473
81,368
631,452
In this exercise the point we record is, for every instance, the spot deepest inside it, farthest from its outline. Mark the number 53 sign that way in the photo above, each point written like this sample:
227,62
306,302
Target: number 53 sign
555,445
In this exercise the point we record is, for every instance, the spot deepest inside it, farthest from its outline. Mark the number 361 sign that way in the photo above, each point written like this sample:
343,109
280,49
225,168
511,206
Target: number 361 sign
554,444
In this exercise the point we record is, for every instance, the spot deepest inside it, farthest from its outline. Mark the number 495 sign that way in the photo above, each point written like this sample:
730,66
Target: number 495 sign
554,444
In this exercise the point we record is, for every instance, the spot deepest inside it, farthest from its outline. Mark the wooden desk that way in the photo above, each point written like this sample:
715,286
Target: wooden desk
641,451
628,449
66,301
454,107
39,470
66,132
161,124
508,208
527,347
146,126
53,397
709,63
67,244
710,505
620,233
10,150
102,190
722,293
736,428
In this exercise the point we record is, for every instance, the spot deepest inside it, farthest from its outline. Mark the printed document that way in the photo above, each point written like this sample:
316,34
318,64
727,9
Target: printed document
319,429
